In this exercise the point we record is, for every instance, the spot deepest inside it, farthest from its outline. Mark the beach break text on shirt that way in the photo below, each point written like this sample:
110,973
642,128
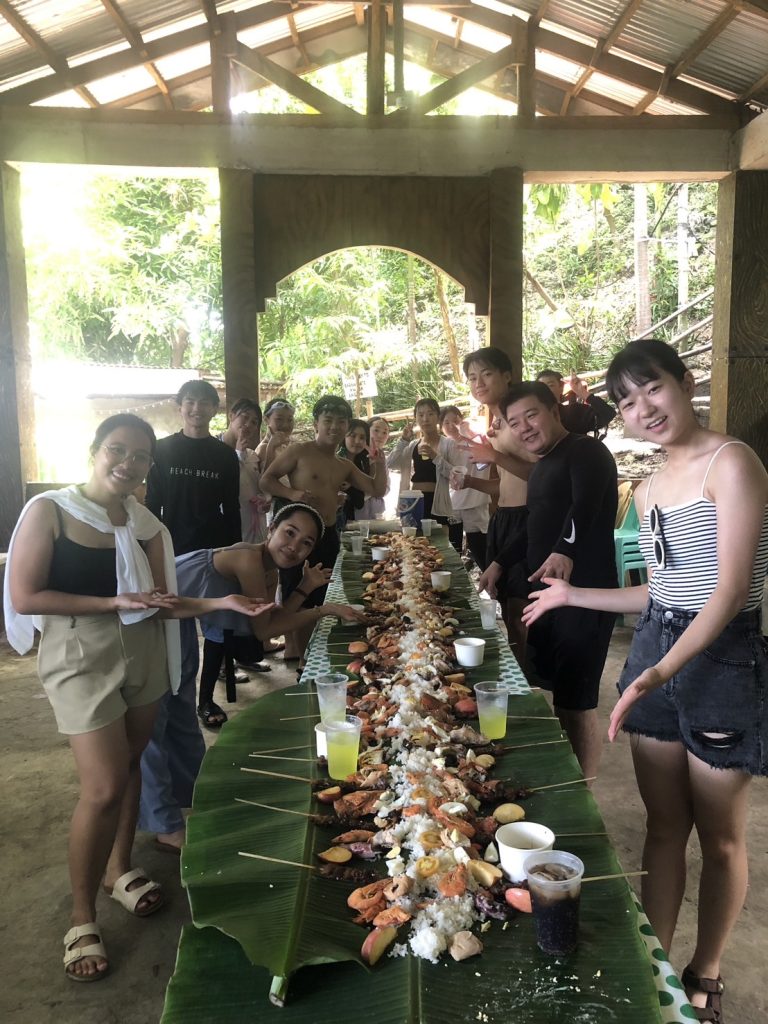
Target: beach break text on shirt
207,474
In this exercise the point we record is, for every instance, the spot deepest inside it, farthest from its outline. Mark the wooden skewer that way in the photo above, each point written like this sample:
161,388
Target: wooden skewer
532,718
297,718
542,743
620,874
277,860
276,750
555,785
276,757
573,835
277,775
300,693
270,807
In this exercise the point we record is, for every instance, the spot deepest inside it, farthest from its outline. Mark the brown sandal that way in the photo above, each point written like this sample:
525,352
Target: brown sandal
713,987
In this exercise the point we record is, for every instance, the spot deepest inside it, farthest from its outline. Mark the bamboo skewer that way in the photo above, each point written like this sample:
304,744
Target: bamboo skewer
277,775
574,835
276,757
554,785
271,807
276,750
541,743
531,718
620,874
297,718
277,860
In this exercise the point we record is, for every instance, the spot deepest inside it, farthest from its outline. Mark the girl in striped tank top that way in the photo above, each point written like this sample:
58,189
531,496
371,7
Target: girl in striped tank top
694,686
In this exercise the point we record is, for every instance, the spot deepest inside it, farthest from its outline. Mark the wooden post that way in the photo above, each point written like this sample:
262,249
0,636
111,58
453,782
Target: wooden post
506,243
223,49
18,457
377,31
240,303
740,330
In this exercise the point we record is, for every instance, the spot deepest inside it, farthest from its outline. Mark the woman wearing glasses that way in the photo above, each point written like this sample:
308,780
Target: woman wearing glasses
693,688
94,568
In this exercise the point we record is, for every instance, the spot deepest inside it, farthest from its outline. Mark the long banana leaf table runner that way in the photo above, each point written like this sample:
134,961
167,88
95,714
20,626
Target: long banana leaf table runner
274,940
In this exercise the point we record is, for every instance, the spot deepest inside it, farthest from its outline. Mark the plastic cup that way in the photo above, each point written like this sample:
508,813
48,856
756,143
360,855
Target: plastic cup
470,651
488,613
517,841
364,529
332,696
492,700
357,544
378,554
426,526
554,879
321,744
409,531
343,739
457,477
441,581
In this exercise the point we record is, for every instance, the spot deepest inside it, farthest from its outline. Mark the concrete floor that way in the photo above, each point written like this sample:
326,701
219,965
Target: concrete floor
38,794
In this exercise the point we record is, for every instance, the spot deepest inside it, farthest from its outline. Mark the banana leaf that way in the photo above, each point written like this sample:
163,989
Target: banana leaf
285,919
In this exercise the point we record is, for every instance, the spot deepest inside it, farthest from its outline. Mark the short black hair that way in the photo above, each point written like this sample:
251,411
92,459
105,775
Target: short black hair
275,405
433,404
640,362
199,389
122,419
528,389
246,405
333,405
550,373
490,356
445,410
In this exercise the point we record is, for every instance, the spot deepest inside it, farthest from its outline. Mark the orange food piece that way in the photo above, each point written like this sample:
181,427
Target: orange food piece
520,899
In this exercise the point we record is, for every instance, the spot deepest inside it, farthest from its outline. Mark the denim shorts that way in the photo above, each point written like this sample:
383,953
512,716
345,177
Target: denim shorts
715,705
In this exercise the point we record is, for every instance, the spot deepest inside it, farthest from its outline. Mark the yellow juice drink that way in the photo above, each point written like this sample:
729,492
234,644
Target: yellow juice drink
493,721
343,743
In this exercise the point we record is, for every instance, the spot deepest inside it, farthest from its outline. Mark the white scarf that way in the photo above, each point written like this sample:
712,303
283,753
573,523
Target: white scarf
134,574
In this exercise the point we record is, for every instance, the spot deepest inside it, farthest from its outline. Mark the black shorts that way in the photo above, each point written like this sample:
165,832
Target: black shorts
567,649
326,552
716,704
505,522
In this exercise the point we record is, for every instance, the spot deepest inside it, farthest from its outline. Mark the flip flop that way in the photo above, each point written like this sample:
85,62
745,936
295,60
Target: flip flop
73,954
129,899
211,715
167,847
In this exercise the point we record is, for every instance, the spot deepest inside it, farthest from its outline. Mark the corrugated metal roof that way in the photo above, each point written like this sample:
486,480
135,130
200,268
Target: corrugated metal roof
657,35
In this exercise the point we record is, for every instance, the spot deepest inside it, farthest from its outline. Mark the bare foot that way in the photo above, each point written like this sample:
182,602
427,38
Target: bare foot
174,840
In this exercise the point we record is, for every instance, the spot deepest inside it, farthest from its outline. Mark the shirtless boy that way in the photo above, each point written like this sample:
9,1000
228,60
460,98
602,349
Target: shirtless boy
489,375
316,475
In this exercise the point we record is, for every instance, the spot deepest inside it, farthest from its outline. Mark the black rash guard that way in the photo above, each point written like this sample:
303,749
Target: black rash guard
194,489
572,500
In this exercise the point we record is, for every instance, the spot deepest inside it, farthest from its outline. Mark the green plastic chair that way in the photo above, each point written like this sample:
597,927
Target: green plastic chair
628,554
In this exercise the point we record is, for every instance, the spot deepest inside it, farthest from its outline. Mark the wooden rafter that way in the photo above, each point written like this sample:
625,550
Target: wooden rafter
360,14
602,45
457,36
466,79
211,15
280,76
137,45
377,41
610,64
49,55
684,61
296,38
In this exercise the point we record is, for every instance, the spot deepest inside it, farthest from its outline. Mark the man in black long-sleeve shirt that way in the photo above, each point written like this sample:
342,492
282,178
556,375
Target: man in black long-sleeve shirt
572,499
194,488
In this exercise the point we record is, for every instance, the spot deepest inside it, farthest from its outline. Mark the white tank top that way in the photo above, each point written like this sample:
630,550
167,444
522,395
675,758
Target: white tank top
690,547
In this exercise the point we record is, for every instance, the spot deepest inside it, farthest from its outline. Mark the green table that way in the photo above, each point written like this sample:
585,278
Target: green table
259,920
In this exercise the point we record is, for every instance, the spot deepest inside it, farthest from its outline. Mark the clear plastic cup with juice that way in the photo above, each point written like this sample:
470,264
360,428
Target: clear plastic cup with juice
343,740
492,700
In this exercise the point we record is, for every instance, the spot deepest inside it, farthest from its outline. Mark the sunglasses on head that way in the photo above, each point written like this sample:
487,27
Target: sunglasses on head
276,406
657,535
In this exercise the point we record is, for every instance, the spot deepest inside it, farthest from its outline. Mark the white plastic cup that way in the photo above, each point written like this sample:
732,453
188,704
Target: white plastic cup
332,696
441,580
426,526
321,744
457,477
378,554
357,544
517,841
364,528
470,651
409,531
488,613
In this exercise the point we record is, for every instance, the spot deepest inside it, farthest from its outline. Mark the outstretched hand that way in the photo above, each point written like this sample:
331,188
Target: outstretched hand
557,566
650,679
489,579
543,601
479,452
344,611
137,602
314,576
251,606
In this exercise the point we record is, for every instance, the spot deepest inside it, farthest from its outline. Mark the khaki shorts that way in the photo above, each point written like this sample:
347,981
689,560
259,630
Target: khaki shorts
93,668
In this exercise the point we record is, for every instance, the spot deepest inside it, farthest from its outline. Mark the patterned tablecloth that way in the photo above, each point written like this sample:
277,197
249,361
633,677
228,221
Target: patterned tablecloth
675,1008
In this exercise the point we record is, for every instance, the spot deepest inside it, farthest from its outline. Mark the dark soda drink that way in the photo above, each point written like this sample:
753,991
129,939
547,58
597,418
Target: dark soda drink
554,879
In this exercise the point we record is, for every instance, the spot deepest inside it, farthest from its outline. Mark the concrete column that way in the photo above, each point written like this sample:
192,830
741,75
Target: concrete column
506,243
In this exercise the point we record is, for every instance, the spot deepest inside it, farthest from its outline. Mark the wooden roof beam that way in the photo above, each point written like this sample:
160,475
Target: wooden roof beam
211,15
684,61
280,76
602,46
137,45
34,40
377,41
296,38
621,68
755,88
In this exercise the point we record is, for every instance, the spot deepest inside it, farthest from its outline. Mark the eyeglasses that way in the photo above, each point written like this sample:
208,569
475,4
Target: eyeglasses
657,534
140,459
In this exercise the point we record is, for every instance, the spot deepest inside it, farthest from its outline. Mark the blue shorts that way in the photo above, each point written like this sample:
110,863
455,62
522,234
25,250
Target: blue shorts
715,705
